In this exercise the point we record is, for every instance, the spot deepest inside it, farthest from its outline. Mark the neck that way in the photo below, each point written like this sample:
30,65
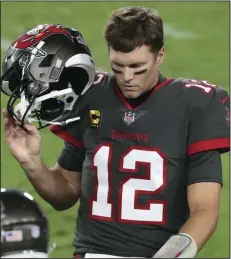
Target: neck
137,101
157,80
154,82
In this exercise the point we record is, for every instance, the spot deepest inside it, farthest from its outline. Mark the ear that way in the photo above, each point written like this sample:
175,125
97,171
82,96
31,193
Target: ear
160,57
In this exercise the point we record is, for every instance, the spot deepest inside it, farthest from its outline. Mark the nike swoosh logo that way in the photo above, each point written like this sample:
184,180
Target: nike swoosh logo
223,100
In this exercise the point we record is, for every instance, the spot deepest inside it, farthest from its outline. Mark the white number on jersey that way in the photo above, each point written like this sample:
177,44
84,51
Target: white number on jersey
204,85
102,206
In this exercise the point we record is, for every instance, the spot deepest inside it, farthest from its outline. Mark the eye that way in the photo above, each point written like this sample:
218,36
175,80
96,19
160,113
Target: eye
135,65
140,72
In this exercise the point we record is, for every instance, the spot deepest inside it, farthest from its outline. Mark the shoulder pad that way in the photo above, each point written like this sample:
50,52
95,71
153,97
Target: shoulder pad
200,92
202,85
102,81
102,78
197,85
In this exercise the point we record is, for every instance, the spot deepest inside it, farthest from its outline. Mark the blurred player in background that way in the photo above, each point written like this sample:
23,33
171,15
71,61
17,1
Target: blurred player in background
144,159
24,226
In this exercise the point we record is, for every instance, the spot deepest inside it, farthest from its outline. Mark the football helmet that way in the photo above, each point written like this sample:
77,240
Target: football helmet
24,226
46,69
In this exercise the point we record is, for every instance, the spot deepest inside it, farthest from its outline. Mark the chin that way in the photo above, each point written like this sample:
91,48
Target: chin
131,95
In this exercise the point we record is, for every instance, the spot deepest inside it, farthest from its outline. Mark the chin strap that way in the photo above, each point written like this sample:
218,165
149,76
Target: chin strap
62,123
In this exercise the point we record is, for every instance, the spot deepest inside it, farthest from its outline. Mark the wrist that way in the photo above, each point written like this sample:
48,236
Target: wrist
33,163
187,235
180,245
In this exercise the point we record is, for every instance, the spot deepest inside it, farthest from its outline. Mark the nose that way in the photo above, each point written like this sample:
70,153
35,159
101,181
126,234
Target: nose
128,74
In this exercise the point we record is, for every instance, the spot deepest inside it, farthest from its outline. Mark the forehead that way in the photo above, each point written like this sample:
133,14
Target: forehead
142,54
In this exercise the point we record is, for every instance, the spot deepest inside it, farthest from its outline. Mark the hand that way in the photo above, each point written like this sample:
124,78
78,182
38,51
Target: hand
24,144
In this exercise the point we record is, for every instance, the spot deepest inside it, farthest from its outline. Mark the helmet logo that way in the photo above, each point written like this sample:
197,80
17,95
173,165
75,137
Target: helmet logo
37,34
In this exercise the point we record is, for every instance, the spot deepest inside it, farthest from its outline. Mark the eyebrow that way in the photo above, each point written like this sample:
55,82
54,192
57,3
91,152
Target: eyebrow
130,65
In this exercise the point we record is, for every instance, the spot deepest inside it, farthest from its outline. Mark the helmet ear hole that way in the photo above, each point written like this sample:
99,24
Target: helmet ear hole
78,78
51,109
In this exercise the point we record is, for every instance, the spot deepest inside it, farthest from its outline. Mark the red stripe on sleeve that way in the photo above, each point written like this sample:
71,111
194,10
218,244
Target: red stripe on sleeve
209,144
60,132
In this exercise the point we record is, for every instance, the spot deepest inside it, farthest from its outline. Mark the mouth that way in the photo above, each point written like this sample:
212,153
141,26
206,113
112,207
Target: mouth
130,87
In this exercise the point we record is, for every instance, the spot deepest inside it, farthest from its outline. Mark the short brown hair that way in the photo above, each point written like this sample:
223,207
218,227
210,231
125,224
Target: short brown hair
133,26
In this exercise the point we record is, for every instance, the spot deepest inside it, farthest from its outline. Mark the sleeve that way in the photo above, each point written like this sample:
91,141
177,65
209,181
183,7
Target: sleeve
71,157
72,133
205,167
209,122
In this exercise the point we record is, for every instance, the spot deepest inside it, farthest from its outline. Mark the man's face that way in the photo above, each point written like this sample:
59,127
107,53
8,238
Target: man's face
137,71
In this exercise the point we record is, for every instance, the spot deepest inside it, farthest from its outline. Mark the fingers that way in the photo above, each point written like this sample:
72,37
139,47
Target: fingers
29,127
8,122
32,130
6,116
20,132
12,127
4,112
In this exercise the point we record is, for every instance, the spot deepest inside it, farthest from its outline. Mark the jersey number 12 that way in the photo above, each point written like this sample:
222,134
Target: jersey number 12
129,210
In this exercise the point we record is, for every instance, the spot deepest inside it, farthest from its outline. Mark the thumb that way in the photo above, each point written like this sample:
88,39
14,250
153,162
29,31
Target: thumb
32,130
5,113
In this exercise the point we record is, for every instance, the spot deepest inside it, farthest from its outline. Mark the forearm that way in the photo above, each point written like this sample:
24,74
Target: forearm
200,226
50,184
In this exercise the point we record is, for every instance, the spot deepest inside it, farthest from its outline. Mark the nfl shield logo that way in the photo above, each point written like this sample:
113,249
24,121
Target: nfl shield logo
129,117
35,231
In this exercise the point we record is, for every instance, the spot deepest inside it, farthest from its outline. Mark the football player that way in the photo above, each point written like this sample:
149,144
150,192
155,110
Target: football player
144,159
24,226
